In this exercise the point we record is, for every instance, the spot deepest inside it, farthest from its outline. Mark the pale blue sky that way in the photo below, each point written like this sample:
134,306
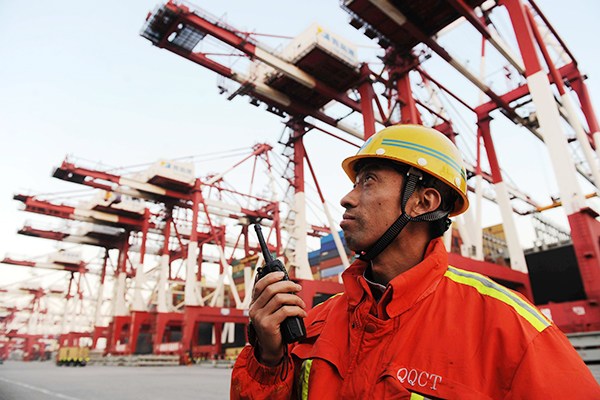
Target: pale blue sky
76,78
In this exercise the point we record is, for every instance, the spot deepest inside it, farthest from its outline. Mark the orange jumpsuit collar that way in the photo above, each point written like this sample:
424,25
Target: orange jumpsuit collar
406,289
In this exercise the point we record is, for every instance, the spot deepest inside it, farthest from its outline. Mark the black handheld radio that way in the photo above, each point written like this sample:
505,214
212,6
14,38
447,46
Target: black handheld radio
292,328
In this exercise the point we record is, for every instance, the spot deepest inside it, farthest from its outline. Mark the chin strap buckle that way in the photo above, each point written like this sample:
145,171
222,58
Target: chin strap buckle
416,172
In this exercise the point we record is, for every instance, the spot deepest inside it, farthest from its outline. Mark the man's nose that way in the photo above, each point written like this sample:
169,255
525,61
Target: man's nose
349,200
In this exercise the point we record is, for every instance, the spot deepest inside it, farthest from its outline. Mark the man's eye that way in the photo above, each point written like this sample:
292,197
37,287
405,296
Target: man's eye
364,179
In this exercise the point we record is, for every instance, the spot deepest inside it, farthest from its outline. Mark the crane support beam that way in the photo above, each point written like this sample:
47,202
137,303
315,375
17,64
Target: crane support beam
466,11
70,172
35,205
45,265
200,21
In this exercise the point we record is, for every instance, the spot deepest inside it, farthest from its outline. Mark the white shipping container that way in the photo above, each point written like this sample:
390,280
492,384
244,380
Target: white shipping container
316,35
116,201
87,228
173,170
65,257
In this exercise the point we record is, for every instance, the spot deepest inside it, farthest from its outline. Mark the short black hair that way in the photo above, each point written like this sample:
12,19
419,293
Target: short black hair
361,164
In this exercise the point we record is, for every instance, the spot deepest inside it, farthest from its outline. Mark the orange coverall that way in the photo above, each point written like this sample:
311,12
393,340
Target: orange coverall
437,332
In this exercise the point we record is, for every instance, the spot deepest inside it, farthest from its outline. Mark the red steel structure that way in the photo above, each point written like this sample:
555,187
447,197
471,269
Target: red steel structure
119,242
177,222
163,227
175,332
407,31
35,346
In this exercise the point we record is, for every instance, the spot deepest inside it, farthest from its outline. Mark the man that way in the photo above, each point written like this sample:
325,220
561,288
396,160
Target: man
407,326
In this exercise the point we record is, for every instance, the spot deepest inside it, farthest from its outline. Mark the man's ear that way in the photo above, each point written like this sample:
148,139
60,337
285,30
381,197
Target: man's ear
423,200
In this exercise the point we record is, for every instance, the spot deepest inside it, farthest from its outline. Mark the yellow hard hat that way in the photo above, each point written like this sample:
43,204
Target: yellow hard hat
423,148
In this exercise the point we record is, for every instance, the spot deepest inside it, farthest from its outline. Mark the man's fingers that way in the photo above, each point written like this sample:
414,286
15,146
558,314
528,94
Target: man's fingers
282,299
262,295
270,291
269,324
266,281
288,311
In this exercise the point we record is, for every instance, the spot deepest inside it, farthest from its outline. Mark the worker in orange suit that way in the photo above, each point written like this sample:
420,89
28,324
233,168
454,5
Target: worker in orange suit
408,325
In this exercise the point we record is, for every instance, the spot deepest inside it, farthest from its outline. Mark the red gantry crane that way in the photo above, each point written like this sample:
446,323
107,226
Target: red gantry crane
166,212
25,326
319,69
178,192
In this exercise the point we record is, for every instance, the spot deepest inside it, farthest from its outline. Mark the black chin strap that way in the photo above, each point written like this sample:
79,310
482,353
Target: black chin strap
413,178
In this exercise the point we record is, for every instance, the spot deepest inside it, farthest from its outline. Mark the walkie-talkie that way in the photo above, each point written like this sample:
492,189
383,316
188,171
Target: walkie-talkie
292,328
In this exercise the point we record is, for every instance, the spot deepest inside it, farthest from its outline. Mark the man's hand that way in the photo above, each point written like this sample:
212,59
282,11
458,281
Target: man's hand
272,302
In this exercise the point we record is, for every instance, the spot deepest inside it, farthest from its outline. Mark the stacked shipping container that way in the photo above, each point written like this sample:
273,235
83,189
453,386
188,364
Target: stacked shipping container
325,263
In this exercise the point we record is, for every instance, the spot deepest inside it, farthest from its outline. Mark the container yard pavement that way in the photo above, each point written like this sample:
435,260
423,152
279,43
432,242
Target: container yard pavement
46,381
